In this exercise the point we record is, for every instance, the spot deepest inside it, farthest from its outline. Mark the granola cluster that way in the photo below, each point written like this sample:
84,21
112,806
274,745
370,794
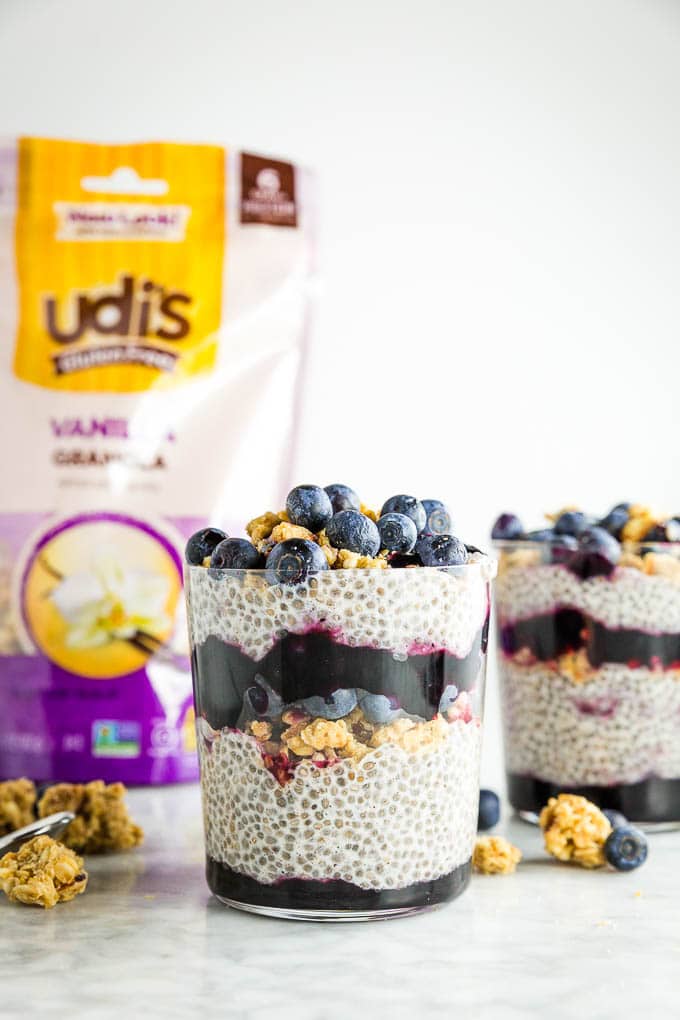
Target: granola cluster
17,804
42,873
494,855
296,736
575,830
269,529
102,823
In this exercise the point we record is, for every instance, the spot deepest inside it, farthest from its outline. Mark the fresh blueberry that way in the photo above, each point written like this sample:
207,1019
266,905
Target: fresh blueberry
352,530
309,507
335,706
616,819
438,518
449,695
626,848
571,522
615,521
236,554
441,551
397,533
342,498
201,545
408,505
292,561
507,528
598,553
489,810
668,531
379,709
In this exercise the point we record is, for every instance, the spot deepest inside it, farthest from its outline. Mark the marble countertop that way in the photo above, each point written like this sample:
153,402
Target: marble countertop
147,940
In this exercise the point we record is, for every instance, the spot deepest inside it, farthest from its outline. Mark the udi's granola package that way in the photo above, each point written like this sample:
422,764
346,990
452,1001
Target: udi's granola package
153,312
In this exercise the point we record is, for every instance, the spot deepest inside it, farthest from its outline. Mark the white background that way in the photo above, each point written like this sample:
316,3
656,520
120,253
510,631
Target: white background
500,220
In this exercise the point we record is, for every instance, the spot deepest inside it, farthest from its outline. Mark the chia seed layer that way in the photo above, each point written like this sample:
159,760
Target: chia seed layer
386,822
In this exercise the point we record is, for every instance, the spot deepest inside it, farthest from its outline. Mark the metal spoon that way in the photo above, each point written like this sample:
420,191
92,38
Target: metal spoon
52,825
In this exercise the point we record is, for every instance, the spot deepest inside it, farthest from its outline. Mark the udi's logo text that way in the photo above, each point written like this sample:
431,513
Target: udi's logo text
136,312
117,294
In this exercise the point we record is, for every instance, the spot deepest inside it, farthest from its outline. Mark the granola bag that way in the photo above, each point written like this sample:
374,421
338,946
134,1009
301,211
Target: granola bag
153,303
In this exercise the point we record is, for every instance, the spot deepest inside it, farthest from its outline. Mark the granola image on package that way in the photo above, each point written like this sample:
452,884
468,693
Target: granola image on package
153,305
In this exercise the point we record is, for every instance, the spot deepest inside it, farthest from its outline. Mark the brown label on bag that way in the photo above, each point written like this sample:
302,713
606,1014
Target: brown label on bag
267,191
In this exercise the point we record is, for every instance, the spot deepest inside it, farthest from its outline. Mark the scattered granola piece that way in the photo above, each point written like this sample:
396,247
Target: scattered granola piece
42,873
17,804
575,830
347,560
494,855
426,735
392,733
261,527
102,824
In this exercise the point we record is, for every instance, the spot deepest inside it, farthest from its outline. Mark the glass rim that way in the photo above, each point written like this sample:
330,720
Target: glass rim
509,544
363,571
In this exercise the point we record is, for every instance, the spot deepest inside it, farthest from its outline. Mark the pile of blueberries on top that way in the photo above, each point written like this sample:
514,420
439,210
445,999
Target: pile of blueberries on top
414,532
584,544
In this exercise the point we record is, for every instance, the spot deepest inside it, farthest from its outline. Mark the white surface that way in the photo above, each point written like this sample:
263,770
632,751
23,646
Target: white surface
147,940
500,209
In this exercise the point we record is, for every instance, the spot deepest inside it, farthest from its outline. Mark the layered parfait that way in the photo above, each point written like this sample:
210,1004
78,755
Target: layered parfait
338,660
589,659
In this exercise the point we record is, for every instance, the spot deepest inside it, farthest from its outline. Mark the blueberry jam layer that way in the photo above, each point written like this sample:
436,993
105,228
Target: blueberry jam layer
550,635
651,800
300,666
296,894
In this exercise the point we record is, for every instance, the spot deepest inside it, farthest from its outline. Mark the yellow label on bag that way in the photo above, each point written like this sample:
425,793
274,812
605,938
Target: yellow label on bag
120,252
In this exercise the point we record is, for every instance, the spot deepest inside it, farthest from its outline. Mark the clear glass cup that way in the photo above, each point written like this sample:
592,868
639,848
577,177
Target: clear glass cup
339,735
589,669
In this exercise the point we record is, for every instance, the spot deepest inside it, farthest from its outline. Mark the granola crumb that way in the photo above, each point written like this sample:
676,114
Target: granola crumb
575,666
367,512
347,560
17,804
102,823
640,520
575,830
494,855
329,551
42,873
261,527
325,733
284,531
662,565
260,729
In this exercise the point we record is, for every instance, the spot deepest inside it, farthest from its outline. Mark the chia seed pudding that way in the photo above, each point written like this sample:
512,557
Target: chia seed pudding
338,703
589,661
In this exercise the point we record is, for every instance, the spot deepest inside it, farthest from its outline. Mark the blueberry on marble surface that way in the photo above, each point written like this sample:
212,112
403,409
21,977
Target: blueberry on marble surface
201,545
352,530
292,561
626,848
342,497
489,810
309,507
397,533
408,505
